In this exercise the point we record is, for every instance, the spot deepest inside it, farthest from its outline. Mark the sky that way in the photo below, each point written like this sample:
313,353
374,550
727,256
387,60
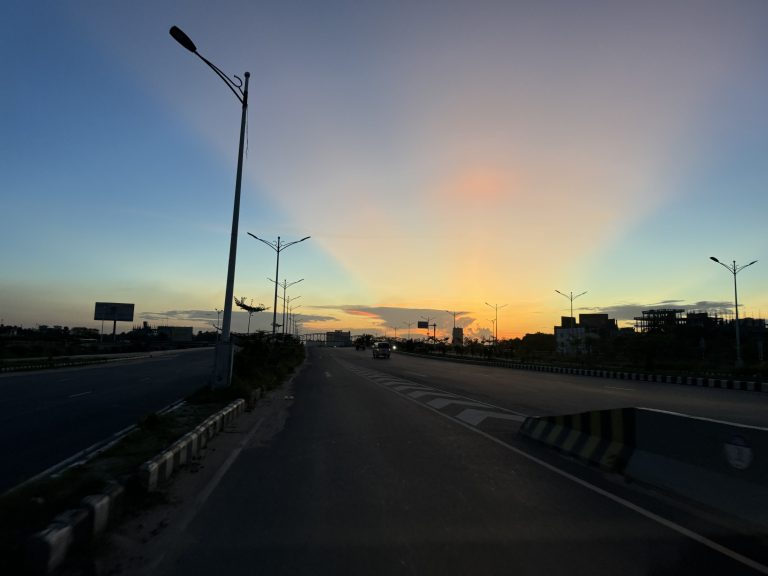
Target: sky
444,156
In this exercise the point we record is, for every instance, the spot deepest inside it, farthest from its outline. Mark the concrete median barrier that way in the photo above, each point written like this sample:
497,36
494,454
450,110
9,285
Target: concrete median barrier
721,465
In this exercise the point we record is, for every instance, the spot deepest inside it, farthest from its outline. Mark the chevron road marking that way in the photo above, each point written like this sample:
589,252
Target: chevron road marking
405,387
420,393
475,417
441,403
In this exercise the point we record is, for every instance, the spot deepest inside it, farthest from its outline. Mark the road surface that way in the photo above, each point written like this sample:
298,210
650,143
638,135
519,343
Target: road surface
374,471
48,415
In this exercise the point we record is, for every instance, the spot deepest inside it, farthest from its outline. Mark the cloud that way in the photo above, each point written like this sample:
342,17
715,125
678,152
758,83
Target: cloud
184,315
398,318
304,318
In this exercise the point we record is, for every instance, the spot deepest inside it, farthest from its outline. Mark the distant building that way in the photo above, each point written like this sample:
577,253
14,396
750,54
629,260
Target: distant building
574,338
176,333
338,338
570,340
458,337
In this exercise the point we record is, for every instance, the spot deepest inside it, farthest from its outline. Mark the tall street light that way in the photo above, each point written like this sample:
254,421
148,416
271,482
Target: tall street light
278,247
496,307
222,372
571,297
734,269
287,300
409,324
285,285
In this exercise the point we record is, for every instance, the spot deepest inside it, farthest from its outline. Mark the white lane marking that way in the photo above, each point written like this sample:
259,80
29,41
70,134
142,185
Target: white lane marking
619,388
419,374
327,374
420,393
64,379
405,387
703,540
81,394
440,403
475,417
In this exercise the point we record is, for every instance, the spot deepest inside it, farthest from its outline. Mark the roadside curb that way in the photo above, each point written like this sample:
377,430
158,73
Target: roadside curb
720,383
75,528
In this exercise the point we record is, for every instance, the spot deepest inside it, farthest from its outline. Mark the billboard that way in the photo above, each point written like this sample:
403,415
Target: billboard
113,311
424,324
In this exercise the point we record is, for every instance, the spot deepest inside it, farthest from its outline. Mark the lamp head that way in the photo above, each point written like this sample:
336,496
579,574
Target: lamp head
714,259
182,39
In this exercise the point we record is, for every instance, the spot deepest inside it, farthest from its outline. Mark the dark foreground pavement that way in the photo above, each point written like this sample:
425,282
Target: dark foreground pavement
362,479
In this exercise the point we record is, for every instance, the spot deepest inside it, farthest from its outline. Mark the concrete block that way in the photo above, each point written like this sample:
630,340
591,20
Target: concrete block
149,475
165,465
116,494
78,520
180,453
98,512
47,549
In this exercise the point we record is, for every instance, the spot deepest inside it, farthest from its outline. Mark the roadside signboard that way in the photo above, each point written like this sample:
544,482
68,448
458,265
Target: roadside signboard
113,311
423,324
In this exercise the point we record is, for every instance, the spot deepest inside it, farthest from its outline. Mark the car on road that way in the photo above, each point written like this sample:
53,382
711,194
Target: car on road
380,349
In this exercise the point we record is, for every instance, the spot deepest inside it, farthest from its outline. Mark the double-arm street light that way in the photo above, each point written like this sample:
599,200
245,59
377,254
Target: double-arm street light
287,300
734,269
223,365
278,247
496,321
571,297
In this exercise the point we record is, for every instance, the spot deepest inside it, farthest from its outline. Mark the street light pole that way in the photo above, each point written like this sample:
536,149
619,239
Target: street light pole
734,269
409,324
496,321
571,297
222,375
278,247
287,301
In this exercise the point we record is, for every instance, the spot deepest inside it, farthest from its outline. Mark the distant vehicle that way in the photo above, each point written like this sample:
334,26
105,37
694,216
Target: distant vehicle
380,349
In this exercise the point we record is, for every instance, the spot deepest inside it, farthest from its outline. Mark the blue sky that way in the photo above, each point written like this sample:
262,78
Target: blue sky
440,154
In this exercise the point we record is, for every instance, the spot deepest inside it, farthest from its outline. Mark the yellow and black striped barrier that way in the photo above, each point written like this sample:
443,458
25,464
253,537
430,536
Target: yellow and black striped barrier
604,438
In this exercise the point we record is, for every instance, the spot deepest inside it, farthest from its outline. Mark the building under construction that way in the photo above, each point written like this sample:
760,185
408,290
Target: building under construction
660,320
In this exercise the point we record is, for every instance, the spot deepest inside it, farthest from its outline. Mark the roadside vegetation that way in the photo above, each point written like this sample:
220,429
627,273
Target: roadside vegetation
259,366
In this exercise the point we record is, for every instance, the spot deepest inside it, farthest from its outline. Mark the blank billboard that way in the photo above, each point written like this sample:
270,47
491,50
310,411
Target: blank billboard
423,324
113,311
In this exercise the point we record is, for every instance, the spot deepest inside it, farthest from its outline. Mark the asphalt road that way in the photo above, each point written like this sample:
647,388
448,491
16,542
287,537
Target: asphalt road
48,415
542,393
373,473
